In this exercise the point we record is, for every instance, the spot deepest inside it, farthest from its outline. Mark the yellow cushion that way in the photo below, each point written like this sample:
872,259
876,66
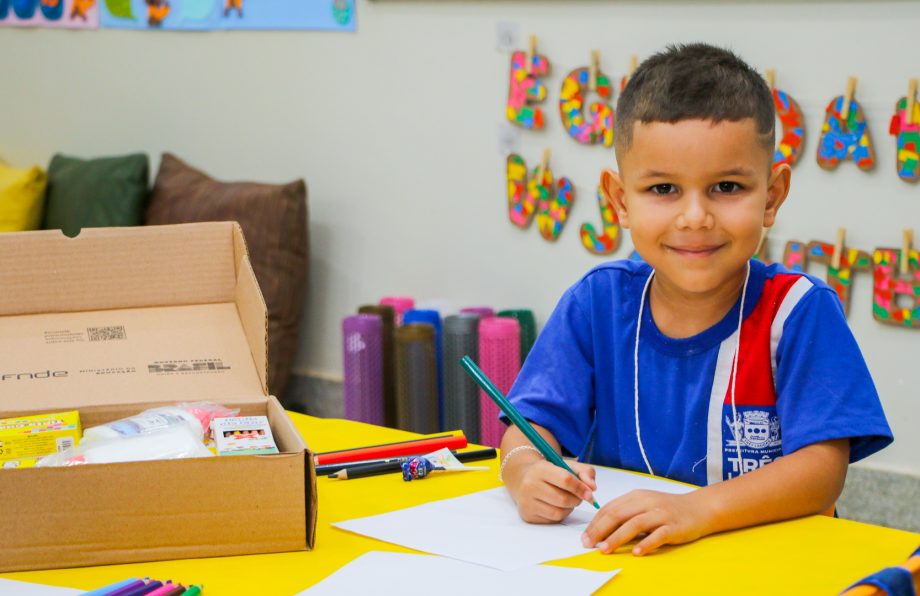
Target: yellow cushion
22,198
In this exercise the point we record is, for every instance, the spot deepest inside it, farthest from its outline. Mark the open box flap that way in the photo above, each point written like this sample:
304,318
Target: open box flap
129,315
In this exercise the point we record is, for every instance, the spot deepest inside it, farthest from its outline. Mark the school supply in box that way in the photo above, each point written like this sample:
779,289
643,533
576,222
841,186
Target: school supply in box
169,432
126,320
25,439
247,435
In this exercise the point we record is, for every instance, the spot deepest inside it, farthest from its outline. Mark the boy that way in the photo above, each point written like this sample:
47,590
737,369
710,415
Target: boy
636,367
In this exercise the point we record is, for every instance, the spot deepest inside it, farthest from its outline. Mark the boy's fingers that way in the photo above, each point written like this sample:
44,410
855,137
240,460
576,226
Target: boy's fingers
559,498
567,482
586,473
629,530
604,524
651,542
550,512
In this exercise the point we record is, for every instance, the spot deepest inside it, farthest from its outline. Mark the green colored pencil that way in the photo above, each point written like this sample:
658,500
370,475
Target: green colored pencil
519,421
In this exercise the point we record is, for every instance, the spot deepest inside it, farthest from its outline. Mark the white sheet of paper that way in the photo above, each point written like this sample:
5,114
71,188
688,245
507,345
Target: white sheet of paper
9,587
484,527
406,574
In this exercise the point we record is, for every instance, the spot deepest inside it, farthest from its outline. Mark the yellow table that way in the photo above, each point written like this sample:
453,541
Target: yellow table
815,555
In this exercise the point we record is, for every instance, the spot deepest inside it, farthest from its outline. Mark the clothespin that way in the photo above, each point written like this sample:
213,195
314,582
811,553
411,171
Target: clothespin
633,65
544,163
771,78
593,70
851,90
838,248
531,52
906,244
911,99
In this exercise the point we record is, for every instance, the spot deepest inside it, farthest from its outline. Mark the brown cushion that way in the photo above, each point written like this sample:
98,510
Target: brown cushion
274,221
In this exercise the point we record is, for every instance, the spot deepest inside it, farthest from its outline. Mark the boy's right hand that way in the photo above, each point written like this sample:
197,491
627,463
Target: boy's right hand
547,494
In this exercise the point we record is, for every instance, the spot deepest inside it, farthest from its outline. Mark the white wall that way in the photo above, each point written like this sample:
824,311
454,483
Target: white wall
394,129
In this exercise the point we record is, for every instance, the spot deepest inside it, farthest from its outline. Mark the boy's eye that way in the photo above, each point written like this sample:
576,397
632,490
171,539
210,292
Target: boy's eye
662,189
727,187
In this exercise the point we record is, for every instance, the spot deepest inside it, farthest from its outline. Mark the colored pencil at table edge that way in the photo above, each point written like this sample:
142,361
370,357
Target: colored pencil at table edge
194,590
395,466
129,589
168,589
410,448
107,590
144,590
327,469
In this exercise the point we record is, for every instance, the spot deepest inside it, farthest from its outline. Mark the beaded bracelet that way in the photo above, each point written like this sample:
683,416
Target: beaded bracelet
517,449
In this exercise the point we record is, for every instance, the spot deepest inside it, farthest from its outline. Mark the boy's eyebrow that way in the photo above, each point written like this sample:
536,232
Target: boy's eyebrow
730,172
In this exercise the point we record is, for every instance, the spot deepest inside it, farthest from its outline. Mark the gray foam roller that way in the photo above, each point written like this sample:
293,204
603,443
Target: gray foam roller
461,394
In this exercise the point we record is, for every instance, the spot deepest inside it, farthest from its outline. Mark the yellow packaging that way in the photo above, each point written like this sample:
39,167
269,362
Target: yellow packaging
33,437
18,463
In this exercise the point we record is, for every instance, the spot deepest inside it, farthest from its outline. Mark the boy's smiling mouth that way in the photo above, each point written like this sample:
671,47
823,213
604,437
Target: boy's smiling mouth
694,251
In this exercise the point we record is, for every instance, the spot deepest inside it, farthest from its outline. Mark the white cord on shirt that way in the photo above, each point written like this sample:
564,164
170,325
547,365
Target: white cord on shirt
648,282
735,429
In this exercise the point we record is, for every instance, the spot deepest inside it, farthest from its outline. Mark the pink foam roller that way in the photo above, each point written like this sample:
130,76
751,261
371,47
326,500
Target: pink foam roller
400,305
500,360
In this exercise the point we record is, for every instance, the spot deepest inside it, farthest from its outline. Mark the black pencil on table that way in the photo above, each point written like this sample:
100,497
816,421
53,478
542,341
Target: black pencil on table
373,469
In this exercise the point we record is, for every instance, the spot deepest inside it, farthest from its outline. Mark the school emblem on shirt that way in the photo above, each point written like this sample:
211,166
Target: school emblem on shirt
757,430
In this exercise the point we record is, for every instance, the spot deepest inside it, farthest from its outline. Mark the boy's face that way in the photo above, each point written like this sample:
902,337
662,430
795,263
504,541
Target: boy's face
695,196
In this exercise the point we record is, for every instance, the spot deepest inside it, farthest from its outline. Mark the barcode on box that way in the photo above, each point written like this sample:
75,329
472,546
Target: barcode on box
106,333
64,443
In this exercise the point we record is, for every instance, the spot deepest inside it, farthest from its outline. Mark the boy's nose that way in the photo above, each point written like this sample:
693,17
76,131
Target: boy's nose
694,213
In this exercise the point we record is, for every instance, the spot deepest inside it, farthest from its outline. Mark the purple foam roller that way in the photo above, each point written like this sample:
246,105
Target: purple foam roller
362,351
484,312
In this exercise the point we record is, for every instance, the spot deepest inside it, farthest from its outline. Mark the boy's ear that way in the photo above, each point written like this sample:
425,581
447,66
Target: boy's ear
777,190
612,187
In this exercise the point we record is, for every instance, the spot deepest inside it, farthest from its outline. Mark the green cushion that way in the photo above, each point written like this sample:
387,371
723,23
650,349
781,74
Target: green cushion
95,193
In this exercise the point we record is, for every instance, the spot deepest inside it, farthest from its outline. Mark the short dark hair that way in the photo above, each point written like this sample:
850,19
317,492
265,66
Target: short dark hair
695,81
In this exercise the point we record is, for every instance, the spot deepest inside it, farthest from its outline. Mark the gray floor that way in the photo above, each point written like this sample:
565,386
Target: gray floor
873,496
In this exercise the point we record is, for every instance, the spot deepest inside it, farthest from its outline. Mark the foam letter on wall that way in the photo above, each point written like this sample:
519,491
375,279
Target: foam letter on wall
840,269
905,125
607,241
893,278
793,123
599,128
794,256
524,87
845,133
521,203
553,211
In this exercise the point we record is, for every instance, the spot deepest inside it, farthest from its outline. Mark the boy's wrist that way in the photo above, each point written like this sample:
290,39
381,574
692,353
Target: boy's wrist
516,467
711,508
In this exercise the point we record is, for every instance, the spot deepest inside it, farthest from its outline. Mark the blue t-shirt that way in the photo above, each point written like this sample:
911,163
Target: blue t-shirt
801,378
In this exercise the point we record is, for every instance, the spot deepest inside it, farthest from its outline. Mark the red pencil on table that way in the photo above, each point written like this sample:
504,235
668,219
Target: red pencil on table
414,447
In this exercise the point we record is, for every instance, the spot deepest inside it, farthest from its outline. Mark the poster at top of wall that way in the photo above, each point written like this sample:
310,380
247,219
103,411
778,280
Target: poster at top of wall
327,15
71,14
192,15
159,14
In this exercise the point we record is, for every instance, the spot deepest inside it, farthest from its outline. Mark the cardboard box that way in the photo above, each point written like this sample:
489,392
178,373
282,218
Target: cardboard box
118,320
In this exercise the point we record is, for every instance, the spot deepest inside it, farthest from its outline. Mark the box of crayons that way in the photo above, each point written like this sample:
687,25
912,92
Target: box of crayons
244,435
25,439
